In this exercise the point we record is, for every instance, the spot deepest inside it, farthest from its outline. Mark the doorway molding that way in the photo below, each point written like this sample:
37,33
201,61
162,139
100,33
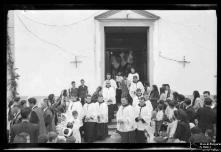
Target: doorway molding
123,18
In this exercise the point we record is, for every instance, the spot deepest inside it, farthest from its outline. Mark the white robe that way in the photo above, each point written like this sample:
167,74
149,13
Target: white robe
127,115
76,106
145,113
135,101
90,111
133,88
130,77
102,112
112,82
76,132
109,94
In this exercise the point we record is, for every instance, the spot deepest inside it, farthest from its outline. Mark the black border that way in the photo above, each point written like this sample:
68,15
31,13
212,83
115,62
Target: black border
211,5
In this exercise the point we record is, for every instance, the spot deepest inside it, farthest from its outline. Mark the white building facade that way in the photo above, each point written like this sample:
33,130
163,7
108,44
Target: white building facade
46,43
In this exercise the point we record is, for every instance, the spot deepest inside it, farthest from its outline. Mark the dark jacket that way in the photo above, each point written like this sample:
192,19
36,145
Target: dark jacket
82,91
37,117
191,115
27,127
198,138
49,120
206,118
73,92
182,131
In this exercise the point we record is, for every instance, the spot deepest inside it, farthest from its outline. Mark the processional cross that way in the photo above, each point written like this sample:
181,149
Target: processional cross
76,61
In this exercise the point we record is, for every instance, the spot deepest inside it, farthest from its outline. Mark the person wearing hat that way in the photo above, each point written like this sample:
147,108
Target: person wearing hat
205,117
90,120
134,85
109,95
82,91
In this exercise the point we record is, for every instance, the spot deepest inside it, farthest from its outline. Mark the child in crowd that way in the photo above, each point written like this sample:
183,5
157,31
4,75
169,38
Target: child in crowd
136,98
102,118
74,125
143,115
68,134
134,85
76,106
159,119
90,120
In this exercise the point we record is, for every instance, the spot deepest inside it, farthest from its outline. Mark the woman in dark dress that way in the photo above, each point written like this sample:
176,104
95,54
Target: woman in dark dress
154,96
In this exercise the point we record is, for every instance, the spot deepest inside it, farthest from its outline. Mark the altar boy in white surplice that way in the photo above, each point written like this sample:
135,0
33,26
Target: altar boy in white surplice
126,124
102,118
143,115
90,120
134,86
75,105
109,95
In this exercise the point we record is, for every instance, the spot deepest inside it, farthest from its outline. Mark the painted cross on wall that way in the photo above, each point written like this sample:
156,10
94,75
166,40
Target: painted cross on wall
76,61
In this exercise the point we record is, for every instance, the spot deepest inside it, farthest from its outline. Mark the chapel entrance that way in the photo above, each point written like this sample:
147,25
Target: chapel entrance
126,47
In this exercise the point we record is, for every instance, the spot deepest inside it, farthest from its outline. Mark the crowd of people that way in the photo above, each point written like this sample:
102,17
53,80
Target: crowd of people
143,114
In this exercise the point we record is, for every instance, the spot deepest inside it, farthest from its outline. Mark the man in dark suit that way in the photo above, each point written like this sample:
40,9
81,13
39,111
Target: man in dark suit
82,91
25,127
205,116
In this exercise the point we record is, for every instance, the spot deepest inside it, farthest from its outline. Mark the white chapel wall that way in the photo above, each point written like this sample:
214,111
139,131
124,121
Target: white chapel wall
45,69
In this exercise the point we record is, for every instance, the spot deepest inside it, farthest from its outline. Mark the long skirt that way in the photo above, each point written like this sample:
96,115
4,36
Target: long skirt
102,131
110,112
128,137
140,136
89,131
118,96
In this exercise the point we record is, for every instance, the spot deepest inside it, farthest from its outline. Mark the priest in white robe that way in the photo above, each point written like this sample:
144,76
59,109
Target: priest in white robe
143,114
102,118
134,86
109,95
126,124
90,120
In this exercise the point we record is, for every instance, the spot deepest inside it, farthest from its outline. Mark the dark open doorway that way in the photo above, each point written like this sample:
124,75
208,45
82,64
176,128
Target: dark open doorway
126,47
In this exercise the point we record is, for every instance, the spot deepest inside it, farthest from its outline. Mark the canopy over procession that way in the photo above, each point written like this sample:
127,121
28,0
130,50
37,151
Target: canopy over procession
121,89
